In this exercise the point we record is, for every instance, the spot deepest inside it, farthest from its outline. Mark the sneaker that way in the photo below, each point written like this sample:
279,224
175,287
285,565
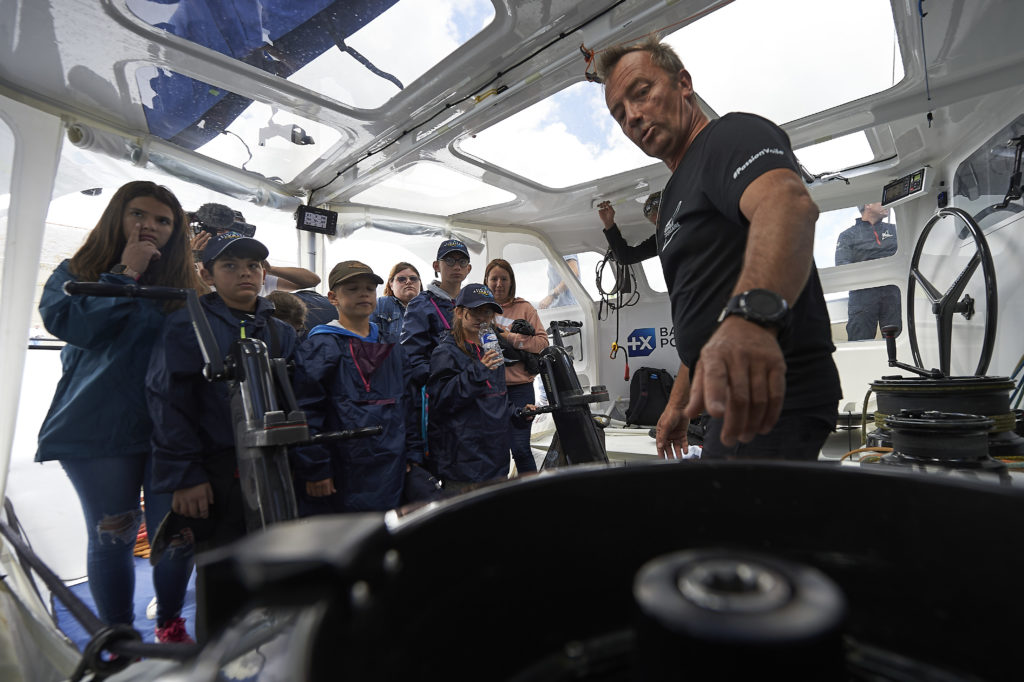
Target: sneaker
174,631
151,609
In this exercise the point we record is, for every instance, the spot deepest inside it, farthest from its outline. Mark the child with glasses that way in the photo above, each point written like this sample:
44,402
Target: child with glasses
402,286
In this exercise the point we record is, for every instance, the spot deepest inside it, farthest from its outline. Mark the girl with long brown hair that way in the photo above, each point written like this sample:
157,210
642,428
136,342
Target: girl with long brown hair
98,426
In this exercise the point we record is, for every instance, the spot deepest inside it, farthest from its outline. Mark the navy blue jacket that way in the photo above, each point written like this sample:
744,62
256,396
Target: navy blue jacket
470,415
388,317
191,416
99,407
343,381
423,329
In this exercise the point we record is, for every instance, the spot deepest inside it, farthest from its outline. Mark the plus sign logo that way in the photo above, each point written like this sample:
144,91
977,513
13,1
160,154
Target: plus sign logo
640,342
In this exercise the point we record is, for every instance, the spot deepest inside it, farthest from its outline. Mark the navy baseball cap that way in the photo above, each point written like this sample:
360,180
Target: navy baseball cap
233,244
451,245
476,295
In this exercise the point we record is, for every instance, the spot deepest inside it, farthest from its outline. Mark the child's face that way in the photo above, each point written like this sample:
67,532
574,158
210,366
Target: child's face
499,282
154,220
354,298
473,318
454,267
238,280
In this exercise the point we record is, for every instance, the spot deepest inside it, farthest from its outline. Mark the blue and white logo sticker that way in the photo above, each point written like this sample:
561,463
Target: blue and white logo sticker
640,342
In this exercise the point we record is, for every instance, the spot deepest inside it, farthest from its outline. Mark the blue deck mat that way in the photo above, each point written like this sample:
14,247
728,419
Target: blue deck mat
143,594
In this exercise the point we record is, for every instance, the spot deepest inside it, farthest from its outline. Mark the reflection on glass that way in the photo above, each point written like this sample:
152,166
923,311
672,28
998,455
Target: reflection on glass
358,52
225,126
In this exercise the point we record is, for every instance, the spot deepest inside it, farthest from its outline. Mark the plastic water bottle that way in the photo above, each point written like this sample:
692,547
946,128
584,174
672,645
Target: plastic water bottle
488,339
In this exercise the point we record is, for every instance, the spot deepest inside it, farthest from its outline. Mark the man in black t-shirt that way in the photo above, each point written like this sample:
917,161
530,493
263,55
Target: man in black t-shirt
735,238
869,238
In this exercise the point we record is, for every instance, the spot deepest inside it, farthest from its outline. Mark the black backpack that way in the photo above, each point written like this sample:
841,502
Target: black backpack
648,395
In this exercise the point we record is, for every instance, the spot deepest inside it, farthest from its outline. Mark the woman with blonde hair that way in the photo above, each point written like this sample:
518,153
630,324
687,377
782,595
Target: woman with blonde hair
403,285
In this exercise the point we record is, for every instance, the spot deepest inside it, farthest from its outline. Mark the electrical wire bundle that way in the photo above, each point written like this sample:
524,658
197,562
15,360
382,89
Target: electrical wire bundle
625,281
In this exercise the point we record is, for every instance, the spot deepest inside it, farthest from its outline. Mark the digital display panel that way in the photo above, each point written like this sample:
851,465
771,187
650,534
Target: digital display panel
906,186
316,220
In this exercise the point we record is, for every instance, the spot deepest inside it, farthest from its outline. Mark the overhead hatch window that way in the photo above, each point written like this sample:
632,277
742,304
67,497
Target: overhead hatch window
360,53
790,58
566,139
430,188
783,60
230,128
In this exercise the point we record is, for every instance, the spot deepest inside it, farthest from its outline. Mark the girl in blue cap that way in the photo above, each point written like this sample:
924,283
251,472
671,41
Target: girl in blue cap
470,413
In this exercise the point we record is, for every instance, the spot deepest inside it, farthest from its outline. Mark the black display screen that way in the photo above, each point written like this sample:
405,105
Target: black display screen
903,188
316,220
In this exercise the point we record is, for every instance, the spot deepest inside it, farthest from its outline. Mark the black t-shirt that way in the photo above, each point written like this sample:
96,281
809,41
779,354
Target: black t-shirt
702,236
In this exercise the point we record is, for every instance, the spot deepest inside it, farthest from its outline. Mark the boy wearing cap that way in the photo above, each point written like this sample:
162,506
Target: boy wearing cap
428,318
346,377
470,412
193,431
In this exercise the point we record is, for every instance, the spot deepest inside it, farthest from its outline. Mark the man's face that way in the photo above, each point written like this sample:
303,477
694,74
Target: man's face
875,212
650,106
238,280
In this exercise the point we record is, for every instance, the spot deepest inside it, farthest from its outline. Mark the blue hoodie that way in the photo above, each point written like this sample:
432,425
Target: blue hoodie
345,381
191,416
99,407
470,415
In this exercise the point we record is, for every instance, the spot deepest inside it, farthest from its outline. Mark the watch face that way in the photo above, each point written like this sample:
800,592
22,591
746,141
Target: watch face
763,306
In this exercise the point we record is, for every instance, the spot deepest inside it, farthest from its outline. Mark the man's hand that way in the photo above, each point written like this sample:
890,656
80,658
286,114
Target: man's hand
320,488
193,502
741,376
606,213
671,433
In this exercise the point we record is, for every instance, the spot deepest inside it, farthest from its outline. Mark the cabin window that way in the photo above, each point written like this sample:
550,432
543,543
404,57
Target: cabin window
360,54
655,275
536,279
383,247
982,180
847,237
802,56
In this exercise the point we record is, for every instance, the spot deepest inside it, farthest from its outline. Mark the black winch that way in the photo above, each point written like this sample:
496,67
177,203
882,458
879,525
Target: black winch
950,440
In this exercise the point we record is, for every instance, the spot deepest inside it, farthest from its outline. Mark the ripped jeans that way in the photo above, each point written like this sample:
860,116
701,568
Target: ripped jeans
108,489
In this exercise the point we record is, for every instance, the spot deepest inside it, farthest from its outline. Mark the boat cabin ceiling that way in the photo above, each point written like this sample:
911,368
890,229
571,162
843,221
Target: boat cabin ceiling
480,112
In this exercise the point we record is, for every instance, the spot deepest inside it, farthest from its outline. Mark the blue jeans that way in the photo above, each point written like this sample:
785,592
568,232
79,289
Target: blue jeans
521,395
108,490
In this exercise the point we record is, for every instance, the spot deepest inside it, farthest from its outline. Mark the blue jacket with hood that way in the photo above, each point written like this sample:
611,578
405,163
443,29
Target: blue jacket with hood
191,416
470,415
346,381
99,407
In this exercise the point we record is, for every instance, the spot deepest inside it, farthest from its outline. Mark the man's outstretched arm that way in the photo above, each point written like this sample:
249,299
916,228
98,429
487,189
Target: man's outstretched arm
741,374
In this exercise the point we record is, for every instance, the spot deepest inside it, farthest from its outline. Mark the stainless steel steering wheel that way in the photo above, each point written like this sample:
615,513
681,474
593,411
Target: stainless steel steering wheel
946,305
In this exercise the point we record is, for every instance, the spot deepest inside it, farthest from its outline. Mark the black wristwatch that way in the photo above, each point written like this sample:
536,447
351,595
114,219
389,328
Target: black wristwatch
759,306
